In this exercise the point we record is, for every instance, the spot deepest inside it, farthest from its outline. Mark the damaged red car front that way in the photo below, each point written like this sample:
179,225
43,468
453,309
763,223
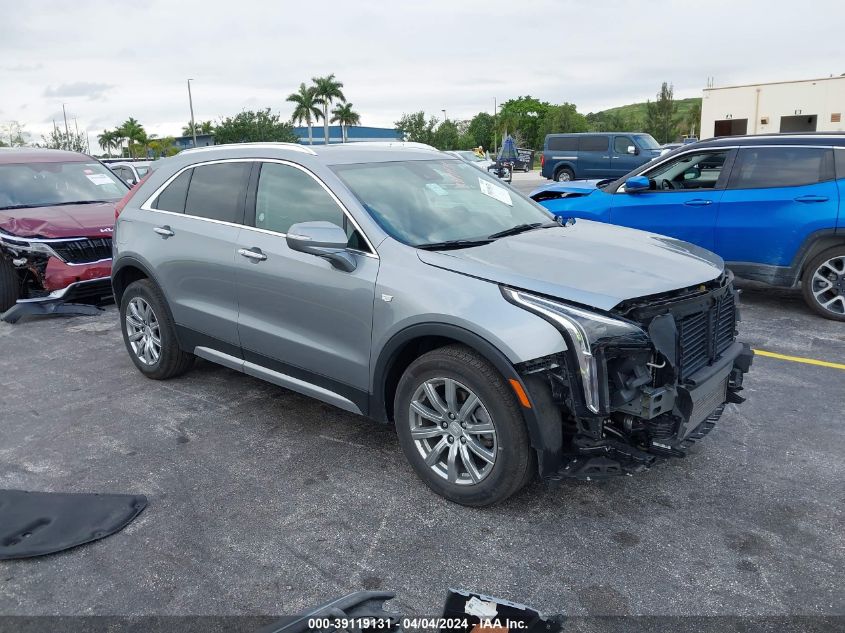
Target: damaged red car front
56,222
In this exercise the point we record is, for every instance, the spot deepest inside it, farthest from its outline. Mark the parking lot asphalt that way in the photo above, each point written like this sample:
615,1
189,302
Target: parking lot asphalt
262,501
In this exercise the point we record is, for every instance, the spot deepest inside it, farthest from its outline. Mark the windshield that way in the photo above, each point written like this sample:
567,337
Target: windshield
471,157
425,202
647,141
47,184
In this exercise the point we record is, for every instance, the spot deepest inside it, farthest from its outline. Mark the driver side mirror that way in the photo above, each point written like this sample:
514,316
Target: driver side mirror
635,184
633,150
322,239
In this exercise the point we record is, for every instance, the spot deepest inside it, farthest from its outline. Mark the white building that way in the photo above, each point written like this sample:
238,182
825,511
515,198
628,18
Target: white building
813,105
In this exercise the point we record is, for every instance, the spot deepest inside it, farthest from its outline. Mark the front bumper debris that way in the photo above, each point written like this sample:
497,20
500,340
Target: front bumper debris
78,298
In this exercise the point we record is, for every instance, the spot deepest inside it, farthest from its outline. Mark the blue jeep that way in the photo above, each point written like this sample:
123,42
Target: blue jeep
768,205
606,155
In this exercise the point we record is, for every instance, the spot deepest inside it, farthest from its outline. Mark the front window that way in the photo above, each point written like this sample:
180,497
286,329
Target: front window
471,157
698,170
425,202
49,184
647,141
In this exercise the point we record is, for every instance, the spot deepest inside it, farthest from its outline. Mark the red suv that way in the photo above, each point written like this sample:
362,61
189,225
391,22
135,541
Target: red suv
56,222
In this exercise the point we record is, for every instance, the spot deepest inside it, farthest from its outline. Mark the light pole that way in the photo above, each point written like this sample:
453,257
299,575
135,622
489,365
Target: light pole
67,131
444,115
191,104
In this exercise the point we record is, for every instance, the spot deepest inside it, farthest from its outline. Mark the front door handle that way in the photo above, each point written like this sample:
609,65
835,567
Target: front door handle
165,231
811,198
698,202
254,254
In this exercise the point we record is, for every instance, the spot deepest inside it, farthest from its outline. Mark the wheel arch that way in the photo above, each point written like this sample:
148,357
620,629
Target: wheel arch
130,269
408,344
561,166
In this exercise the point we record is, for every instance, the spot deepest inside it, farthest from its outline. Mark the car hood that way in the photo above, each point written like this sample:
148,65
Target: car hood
572,186
590,263
75,220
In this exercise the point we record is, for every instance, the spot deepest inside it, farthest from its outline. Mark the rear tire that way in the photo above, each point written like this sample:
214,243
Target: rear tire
9,284
564,175
150,334
483,455
823,284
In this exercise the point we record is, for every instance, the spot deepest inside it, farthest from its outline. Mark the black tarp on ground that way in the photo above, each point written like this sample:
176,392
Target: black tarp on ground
38,523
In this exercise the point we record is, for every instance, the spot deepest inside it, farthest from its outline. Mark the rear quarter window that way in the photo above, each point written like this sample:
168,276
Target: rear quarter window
174,195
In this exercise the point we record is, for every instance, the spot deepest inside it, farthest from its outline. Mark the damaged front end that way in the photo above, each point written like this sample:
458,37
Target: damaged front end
57,275
642,382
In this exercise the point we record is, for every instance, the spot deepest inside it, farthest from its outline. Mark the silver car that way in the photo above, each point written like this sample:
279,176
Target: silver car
405,285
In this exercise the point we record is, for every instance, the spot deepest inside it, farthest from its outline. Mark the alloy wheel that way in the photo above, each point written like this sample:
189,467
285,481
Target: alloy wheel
563,176
142,331
828,285
453,431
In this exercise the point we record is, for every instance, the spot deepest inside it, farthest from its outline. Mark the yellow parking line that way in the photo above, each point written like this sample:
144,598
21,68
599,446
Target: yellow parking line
799,359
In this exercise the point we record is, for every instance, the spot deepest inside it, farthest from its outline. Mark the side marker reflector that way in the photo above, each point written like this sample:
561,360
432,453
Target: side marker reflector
520,393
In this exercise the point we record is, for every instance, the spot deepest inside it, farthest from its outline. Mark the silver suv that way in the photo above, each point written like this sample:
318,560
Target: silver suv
405,285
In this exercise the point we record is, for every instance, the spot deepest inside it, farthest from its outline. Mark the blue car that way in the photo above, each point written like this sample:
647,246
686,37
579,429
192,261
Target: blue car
770,206
568,157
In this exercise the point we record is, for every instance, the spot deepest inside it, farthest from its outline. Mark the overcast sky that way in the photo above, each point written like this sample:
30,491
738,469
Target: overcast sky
108,60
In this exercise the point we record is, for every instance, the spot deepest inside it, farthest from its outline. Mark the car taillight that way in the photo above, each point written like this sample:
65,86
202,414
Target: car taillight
118,208
542,160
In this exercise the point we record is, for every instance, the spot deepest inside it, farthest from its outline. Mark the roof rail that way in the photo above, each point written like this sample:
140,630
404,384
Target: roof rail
293,146
412,144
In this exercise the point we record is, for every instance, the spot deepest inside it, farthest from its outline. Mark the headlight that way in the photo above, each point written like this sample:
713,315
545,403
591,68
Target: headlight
585,331
27,246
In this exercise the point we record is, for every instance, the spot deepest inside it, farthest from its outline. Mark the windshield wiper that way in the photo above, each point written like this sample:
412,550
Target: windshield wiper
522,228
61,204
438,246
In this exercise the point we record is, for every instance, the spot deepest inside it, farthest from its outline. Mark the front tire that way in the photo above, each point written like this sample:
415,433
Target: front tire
150,334
461,428
823,284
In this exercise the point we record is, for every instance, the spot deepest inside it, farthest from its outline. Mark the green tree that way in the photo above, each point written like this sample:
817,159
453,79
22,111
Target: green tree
13,135
521,118
326,90
203,127
561,118
481,130
253,126
166,146
692,120
108,141
447,136
305,108
133,132
345,116
415,128
60,140
660,119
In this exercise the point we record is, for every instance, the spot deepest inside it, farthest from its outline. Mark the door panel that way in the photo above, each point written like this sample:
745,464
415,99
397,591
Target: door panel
621,162
297,309
776,197
685,215
195,267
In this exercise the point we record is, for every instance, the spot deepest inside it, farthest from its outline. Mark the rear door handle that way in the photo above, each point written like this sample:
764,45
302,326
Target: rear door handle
811,198
254,254
165,231
698,202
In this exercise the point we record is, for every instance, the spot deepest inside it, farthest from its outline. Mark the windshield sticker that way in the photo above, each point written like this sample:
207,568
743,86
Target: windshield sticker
494,191
440,191
99,179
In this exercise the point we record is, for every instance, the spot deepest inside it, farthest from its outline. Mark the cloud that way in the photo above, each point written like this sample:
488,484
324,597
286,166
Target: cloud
22,68
78,89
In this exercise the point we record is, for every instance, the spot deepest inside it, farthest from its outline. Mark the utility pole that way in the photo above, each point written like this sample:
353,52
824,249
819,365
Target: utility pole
495,127
444,116
67,131
191,104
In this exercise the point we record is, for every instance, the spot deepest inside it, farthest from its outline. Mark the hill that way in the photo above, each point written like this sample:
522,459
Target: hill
636,111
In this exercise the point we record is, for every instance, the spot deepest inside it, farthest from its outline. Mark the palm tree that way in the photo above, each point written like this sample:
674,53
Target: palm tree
108,141
326,90
345,116
133,132
203,127
306,108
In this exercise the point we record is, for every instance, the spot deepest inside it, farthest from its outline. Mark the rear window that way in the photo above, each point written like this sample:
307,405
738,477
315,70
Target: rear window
174,195
25,185
217,191
758,167
563,143
593,144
